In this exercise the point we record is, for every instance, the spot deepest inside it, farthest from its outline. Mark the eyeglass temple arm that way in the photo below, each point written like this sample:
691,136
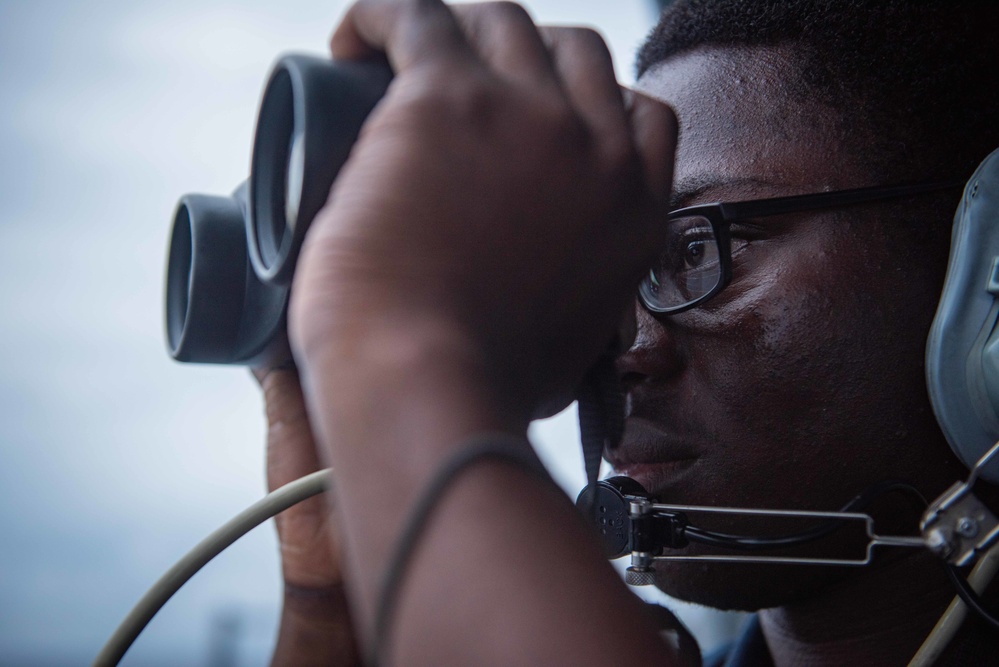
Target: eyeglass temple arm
820,200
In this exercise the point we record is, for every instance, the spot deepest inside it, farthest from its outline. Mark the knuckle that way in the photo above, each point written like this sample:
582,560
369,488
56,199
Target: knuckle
614,154
465,97
507,11
472,103
618,156
573,130
494,22
414,5
570,136
439,111
585,38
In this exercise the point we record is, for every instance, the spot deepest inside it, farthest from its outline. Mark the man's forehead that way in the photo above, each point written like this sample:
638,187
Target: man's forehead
721,75
739,119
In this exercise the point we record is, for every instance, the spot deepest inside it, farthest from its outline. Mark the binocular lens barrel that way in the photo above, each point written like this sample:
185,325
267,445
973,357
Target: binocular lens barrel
269,231
206,279
232,259
294,180
310,116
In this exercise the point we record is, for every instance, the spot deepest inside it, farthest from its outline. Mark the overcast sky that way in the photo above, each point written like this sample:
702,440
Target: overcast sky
115,460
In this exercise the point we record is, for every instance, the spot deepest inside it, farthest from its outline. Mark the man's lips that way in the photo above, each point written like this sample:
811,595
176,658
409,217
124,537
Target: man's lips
650,456
656,477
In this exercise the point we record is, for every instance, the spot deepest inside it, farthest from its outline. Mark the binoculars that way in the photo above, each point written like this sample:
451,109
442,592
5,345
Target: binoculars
232,259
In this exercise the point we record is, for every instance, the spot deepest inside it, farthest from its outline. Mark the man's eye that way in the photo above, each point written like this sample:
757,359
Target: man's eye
698,252
690,248
695,254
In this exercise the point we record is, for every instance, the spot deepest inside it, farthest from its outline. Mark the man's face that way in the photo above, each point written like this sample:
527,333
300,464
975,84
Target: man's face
801,384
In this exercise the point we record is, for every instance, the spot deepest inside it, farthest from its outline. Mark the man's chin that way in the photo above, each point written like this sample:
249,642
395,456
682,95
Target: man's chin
744,586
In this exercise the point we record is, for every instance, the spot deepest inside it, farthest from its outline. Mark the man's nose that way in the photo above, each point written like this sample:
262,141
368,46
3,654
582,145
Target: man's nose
654,354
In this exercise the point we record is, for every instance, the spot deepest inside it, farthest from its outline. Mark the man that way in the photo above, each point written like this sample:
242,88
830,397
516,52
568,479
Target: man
470,266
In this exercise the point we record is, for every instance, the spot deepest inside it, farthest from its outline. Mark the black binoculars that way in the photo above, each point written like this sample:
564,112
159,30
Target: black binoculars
232,259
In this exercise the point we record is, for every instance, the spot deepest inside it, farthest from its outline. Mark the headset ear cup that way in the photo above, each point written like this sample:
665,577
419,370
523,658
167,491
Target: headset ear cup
990,357
962,352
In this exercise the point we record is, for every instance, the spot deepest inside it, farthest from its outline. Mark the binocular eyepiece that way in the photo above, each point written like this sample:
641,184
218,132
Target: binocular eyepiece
232,259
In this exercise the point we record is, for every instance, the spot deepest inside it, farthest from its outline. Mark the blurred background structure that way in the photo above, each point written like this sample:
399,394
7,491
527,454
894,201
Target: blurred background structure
113,459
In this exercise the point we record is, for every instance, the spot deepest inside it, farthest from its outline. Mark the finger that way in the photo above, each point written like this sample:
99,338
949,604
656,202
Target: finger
505,37
308,557
587,72
409,32
654,133
291,450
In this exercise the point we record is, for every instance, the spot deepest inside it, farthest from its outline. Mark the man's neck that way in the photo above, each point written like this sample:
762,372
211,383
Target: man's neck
880,616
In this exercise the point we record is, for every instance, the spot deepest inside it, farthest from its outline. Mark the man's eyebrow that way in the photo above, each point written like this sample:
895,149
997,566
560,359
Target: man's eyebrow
693,186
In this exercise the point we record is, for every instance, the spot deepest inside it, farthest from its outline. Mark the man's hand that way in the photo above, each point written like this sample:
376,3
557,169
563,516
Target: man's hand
475,257
315,624
502,200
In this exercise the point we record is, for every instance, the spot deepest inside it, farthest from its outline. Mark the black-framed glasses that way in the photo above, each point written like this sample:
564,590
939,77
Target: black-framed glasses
696,262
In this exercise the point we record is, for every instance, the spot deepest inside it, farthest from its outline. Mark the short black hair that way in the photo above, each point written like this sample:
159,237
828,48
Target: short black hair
920,76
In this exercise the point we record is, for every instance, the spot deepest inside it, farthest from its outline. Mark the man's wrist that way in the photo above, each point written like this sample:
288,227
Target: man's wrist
316,628
317,604
390,406
418,361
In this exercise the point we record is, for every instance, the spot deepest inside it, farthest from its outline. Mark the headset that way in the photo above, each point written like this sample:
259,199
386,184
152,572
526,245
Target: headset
962,351
231,263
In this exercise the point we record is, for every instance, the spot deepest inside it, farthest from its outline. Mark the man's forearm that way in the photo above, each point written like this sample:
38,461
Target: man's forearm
505,571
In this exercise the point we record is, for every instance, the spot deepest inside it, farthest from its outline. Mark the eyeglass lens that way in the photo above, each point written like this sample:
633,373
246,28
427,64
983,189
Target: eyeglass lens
688,268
